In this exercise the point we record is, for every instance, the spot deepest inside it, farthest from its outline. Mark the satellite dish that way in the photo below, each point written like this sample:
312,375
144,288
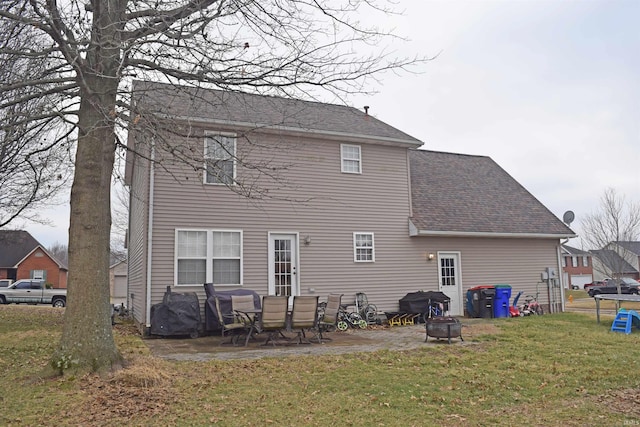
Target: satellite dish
568,217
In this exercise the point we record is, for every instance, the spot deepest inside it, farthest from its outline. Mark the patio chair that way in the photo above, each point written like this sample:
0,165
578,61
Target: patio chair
232,324
244,305
329,319
304,316
273,318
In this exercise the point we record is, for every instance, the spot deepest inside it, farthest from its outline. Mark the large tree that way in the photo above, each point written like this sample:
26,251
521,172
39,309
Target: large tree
95,48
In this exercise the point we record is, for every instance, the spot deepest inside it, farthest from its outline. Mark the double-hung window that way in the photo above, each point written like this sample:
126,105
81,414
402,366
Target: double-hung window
585,261
363,247
208,256
574,261
219,159
351,158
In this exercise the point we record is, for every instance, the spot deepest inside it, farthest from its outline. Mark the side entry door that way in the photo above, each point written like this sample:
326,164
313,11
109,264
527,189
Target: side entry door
449,279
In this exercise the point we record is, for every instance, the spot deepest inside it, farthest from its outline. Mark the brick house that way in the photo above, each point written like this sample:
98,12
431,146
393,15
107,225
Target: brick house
23,257
577,267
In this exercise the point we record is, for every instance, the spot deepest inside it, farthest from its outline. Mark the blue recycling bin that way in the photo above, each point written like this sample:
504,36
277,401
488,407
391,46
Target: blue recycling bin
501,301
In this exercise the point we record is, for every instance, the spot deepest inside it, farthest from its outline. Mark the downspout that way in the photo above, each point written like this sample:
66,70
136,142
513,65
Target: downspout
409,182
150,234
561,273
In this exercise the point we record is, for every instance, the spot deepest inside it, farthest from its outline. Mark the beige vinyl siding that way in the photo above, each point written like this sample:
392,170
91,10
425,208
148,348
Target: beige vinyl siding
516,262
322,203
137,242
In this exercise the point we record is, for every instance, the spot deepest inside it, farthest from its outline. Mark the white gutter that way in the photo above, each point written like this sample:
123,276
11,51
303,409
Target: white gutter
264,127
490,234
150,234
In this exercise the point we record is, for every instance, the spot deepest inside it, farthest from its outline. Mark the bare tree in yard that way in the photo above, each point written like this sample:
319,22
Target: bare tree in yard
95,48
34,156
59,251
615,223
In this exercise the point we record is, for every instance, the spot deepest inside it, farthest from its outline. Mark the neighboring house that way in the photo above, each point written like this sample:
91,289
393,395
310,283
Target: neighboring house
630,251
577,267
118,282
22,257
615,261
349,206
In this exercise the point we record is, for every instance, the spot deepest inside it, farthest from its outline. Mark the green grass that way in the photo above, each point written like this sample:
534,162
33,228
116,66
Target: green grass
561,369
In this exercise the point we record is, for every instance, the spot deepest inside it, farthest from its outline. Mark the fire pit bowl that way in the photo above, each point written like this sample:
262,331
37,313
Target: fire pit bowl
443,327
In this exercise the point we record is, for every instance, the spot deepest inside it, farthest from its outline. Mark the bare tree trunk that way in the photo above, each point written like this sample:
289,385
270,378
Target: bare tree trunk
87,342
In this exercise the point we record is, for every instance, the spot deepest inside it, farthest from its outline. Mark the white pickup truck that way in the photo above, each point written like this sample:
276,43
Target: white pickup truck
31,291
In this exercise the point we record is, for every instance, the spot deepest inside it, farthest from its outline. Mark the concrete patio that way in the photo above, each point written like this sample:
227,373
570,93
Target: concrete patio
350,341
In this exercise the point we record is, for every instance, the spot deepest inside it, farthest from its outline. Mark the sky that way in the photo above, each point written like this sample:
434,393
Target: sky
550,90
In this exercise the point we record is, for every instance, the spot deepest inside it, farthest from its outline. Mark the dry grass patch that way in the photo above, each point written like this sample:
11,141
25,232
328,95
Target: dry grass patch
144,389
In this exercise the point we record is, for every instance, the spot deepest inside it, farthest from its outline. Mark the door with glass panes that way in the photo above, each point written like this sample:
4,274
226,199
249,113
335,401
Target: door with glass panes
283,264
449,281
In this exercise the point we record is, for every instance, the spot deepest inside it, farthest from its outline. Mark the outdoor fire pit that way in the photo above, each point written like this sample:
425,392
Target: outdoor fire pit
443,327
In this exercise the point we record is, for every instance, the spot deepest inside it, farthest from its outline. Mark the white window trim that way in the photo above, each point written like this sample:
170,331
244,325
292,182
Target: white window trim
209,134
574,261
343,158
373,247
585,261
209,256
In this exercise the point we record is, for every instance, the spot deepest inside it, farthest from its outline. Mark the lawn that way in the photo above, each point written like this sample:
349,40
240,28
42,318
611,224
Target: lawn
552,370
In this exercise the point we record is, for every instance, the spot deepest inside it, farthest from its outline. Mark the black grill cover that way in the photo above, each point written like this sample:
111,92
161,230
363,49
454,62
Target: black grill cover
211,320
418,302
177,314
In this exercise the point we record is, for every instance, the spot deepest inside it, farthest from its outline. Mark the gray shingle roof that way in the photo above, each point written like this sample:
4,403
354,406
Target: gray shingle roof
257,111
574,251
465,194
613,261
633,247
14,246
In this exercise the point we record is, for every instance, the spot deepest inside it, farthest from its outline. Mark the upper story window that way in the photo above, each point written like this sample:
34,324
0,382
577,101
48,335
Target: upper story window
585,261
564,261
574,261
219,159
363,247
351,158
208,256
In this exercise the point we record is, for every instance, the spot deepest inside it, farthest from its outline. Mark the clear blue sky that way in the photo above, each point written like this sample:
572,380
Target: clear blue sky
549,90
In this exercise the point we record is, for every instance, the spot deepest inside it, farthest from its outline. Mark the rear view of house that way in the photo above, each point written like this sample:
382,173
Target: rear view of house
287,197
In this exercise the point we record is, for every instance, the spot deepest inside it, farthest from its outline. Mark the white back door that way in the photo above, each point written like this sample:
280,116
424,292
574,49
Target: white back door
449,279
283,264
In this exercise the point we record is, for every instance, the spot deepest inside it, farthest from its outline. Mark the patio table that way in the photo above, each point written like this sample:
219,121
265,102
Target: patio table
252,316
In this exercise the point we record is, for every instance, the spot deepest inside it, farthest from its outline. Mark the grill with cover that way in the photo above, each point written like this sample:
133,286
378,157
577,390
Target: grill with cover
177,314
